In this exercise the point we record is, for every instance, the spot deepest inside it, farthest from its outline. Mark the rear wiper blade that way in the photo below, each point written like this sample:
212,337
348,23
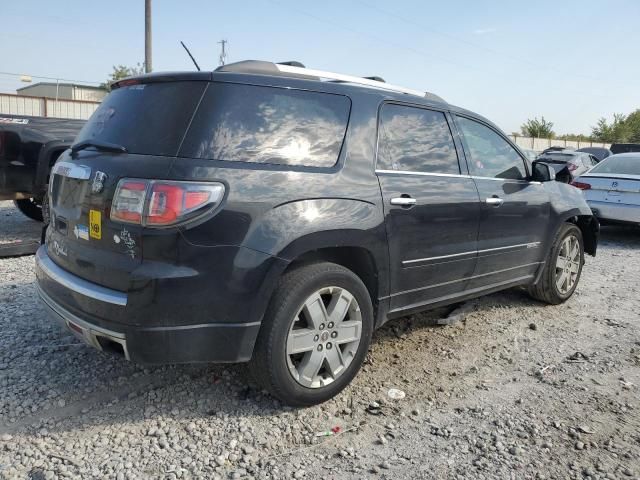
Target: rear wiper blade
98,144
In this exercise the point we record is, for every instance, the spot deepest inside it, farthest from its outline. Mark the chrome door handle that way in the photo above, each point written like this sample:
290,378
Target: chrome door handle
403,201
494,201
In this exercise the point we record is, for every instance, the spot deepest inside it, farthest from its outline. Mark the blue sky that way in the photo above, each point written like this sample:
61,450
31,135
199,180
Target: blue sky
571,61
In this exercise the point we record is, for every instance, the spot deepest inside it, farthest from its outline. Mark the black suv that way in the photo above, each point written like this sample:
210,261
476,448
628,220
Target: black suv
275,214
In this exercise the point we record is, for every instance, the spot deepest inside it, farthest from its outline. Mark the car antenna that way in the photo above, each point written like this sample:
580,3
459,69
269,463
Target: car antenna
191,56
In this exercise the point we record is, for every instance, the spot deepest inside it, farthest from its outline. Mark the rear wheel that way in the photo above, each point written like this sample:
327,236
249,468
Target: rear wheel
563,267
31,207
315,334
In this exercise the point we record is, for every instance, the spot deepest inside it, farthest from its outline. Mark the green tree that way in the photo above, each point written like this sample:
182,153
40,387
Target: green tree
619,130
537,128
633,123
122,71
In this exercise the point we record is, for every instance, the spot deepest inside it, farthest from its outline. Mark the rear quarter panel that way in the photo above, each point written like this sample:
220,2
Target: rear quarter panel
567,203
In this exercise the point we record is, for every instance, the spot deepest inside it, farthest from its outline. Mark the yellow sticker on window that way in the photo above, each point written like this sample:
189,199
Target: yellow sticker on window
95,224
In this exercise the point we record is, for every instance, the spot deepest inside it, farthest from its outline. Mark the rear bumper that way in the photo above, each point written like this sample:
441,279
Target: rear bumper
617,212
149,344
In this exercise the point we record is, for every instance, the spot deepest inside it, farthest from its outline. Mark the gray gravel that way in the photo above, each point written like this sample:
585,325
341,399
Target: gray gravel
503,387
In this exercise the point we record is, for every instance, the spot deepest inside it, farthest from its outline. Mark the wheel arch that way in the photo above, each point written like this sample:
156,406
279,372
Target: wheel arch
590,229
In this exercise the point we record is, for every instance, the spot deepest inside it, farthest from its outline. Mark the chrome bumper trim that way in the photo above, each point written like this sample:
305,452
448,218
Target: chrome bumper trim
83,330
77,284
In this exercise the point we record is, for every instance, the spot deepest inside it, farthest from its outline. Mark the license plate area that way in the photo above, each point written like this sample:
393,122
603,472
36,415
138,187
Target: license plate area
67,196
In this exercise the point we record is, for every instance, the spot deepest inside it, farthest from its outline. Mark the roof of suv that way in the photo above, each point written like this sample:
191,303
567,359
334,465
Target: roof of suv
292,74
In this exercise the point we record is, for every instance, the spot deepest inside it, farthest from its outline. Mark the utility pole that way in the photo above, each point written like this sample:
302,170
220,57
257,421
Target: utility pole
147,36
223,52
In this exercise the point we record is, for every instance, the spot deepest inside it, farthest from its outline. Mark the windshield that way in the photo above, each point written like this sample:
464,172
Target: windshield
625,165
148,118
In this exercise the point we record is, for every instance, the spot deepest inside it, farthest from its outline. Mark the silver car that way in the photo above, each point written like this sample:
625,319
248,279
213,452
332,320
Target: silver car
576,162
612,188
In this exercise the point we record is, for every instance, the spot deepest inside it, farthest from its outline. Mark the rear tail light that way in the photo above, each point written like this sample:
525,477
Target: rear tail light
581,185
162,203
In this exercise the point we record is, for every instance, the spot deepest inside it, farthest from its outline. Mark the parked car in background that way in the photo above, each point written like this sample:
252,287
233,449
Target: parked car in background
599,152
576,162
625,147
266,215
556,148
612,188
29,146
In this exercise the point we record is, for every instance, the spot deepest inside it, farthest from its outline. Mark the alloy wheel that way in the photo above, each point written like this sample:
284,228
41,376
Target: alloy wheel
324,337
567,264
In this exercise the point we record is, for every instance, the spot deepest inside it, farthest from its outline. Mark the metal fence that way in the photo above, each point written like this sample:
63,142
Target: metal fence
46,107
539,144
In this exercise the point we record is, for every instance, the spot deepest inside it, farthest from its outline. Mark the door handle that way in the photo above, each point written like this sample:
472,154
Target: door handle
403,201
494,201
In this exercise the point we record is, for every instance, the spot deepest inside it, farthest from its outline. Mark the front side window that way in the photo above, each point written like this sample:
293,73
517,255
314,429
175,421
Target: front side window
248,123
491,155
415,140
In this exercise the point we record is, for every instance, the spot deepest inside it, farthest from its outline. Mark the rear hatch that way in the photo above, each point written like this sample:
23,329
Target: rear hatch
135,133
620,189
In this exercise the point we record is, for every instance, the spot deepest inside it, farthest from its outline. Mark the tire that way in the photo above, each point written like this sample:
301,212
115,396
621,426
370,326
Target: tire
30,207
292,309
548,289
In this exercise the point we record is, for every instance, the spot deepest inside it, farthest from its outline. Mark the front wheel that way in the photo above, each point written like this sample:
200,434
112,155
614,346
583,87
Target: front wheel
31,207
315,334
562,270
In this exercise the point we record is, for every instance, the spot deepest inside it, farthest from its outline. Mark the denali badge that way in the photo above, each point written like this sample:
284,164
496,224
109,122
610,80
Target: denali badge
98,182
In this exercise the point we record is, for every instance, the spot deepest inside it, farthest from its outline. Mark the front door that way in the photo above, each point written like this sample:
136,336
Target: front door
515,210
431,207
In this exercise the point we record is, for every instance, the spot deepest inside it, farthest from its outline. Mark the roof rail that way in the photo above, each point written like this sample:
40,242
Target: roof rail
291,69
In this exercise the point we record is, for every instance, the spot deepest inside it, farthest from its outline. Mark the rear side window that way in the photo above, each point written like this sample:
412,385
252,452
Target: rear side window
148,118
491,155
246,123
415,140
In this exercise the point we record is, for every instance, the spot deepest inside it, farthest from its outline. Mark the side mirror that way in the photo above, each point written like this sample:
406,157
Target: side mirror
542,172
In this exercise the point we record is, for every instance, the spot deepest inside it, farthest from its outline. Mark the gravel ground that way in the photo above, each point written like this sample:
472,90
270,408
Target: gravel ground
501,387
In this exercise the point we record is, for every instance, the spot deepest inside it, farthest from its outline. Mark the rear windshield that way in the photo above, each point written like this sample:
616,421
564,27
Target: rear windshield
246,123
621,165
146,118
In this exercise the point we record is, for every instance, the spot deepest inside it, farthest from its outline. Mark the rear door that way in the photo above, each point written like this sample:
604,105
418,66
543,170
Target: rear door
149,122
431,206
514,212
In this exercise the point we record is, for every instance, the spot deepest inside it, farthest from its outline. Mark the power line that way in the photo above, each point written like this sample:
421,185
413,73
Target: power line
485,71
383,40
48,78
472,44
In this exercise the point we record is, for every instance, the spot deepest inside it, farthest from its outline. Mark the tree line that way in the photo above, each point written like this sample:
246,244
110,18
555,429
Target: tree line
621,129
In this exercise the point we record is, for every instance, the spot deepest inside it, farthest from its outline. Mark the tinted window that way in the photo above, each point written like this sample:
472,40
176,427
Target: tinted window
415,139
244,123
626,165
148,118
491,155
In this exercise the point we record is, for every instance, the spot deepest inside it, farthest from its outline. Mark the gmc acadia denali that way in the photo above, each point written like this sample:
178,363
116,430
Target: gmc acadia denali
273,214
